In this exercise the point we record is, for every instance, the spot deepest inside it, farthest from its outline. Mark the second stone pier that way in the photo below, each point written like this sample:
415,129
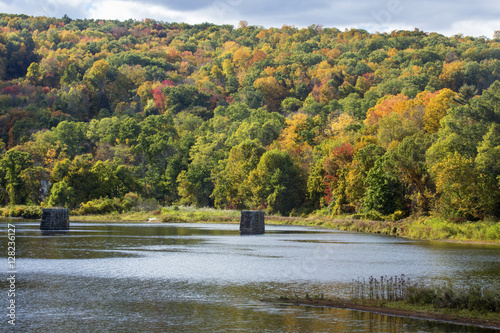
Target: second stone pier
252,222
55,219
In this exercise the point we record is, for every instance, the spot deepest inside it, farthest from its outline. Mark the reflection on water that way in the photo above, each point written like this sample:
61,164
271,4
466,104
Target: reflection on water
206,278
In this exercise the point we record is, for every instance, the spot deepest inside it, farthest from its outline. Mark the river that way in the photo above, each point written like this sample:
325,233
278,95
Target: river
180,277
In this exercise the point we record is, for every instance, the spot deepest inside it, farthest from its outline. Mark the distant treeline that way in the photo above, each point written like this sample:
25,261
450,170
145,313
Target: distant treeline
289,120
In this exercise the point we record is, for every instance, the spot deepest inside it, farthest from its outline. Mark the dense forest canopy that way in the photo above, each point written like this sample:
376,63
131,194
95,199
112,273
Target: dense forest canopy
284,119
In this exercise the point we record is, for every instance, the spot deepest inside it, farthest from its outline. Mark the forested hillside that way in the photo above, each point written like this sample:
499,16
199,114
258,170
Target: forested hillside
289,120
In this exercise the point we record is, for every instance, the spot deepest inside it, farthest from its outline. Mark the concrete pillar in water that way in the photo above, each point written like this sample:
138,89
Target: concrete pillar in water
252,222
55,219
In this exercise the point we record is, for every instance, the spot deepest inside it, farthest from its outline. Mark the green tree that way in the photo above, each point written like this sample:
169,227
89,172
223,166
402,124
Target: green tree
383,190
33,179
291,104
465,94
464,191
196,186
178,163
34,75
61,195
13,163
465,126
363,161
229,191
157,146
488,152
185,97
74,136
74,101
70,75
408,162
276,183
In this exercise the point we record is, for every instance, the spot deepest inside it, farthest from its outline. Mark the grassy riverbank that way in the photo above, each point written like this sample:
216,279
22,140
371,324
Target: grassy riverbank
167,214
401,309
430,228
473,304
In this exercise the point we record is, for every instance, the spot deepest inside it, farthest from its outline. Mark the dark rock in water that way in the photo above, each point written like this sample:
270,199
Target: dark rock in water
55,219
252,222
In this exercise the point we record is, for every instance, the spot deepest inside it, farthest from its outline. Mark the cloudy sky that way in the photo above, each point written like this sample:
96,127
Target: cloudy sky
448,17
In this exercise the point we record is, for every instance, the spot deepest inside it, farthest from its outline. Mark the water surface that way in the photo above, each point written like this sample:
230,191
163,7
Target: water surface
208,278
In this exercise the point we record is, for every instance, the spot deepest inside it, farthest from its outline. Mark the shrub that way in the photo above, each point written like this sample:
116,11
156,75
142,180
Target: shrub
374,215
396,216
131,200
101,206
27,212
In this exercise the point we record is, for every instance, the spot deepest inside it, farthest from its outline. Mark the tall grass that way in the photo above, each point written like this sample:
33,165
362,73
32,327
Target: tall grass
472,296
392,288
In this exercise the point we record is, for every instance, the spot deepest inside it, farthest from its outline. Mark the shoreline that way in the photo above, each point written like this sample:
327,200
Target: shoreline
403,229
407,313
430,228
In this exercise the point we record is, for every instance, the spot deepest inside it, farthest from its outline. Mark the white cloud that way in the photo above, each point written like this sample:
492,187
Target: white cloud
473,28
448,17
50,8
124,10
219,12
19,7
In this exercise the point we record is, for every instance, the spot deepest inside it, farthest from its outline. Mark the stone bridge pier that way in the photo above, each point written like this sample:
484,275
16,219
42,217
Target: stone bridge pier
55,219
252,222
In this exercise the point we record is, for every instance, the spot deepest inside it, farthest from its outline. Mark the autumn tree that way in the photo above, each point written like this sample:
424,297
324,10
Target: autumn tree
436,109
96,78
272,92
464,192
408,163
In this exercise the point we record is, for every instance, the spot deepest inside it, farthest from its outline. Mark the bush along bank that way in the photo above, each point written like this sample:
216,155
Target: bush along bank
429,228
27,212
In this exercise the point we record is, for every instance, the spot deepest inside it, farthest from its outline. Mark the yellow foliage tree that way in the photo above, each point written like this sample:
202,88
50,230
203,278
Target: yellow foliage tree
227,68
242,57
339,125
291,141
436,109
452,75
272,91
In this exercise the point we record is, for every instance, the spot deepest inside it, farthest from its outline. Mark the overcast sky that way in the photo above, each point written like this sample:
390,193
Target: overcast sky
448,17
